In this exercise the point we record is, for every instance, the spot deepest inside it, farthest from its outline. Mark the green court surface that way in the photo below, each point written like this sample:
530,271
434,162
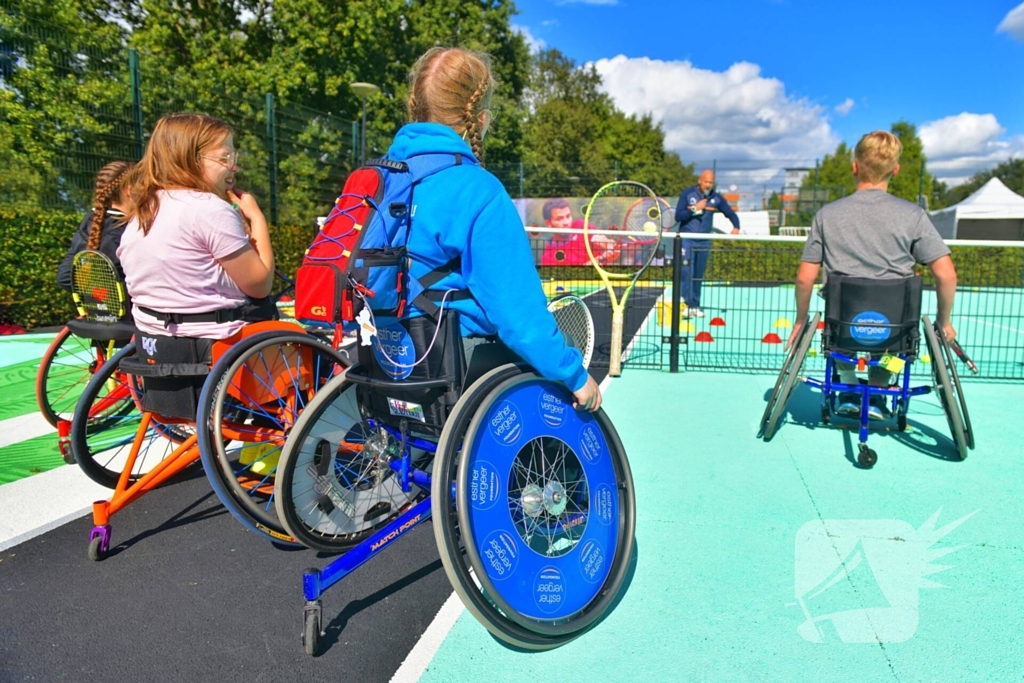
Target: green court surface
726,546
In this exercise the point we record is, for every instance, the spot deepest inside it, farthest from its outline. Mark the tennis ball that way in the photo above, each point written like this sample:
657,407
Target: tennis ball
975,289
650,226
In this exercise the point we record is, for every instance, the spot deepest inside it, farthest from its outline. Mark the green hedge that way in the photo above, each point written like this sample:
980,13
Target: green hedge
33,242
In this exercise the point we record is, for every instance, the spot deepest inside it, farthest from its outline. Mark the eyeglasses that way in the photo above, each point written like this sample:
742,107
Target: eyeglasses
228,160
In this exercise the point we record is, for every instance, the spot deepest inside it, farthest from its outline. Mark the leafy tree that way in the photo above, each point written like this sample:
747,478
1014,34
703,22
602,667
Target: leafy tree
575,140
908,183
63,88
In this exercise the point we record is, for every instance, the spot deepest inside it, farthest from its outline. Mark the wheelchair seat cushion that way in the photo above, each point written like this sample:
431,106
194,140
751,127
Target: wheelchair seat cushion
122,330
173,369
872,315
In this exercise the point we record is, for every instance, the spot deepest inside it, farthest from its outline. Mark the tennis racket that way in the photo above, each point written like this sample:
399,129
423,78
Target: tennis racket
607,208
574,320
96,287
962,355
638,219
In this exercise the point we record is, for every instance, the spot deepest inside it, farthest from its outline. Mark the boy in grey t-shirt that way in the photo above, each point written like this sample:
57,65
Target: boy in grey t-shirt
873,234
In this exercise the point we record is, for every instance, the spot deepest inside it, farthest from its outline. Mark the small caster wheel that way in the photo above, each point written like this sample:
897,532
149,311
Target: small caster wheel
866,458
901,422
99,542
96,550
826,415
311,631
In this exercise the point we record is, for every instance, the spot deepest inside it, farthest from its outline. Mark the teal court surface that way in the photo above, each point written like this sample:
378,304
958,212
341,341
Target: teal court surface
755,561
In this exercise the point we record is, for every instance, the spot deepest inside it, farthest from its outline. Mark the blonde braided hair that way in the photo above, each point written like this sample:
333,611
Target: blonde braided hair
108,187
452,86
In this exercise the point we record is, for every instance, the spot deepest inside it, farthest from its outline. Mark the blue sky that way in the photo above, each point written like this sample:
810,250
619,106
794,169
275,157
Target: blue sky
745,79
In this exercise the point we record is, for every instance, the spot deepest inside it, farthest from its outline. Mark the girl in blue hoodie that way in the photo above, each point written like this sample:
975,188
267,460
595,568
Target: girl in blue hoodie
463,211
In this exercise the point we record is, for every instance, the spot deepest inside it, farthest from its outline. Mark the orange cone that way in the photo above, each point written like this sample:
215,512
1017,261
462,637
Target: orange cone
771,338
704,337
821,324
717,322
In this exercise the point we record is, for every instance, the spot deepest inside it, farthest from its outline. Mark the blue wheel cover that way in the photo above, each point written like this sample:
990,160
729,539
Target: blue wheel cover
545,533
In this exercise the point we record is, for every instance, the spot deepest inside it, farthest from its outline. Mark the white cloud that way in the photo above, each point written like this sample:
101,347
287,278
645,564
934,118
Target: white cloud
1013,23
960,135
844,108
535,44
735,114
959,146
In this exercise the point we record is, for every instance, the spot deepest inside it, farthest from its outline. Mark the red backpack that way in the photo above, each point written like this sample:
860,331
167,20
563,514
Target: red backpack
359,257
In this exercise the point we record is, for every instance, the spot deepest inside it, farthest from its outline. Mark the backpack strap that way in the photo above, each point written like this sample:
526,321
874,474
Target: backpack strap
422,166
425,299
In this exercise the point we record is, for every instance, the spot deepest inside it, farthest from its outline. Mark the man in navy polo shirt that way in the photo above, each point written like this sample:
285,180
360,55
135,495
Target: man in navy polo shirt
695,213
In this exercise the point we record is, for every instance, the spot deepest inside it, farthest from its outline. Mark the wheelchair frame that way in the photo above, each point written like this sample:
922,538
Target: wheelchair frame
126,395
448,505
946,378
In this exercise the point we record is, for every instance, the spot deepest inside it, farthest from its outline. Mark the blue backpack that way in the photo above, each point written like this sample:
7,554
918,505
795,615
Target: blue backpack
359,258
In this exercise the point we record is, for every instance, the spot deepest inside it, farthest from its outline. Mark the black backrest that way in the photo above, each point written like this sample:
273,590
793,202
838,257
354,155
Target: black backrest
872,315
405,342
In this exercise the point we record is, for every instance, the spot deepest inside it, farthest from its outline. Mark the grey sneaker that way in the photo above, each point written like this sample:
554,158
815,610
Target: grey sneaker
694,312
877,408
849,404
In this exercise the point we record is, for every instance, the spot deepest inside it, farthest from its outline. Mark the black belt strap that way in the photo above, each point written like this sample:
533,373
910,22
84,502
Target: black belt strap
425,301
225,315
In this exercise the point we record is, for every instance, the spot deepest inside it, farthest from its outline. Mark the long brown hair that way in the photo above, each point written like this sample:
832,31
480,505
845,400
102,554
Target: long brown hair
452,86
108,187
173,160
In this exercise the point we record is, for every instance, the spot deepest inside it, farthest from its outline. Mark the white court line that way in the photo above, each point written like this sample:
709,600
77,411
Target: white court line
22,428
426,647
430,642
34,505
1002,327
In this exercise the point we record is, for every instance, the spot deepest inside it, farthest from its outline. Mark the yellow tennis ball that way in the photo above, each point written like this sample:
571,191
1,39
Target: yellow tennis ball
650,226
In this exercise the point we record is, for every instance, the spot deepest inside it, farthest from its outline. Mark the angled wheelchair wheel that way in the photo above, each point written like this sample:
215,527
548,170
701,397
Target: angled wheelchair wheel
106,420
538,535
249,404
950,393
334,485
787,379
64,371
954,375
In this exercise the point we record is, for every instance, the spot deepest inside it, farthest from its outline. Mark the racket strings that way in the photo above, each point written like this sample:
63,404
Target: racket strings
97,287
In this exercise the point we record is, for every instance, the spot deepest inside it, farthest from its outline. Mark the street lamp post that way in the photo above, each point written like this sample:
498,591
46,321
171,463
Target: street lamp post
362,91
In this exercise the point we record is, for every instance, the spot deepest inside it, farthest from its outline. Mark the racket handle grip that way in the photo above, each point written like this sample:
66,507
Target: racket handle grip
615,352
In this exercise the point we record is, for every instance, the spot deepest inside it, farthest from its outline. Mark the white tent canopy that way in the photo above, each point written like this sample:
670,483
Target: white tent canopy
993,212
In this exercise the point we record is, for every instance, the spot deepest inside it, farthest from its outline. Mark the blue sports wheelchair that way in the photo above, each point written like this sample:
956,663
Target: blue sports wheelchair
874,323
532,501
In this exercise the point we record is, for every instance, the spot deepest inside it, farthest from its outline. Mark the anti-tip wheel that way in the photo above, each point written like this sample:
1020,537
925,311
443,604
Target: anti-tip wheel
311,632
96,550
866,458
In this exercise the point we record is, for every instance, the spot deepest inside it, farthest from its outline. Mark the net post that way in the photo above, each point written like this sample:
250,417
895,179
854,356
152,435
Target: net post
677,276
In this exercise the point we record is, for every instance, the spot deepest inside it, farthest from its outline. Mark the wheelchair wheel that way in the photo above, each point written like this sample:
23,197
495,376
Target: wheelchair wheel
66,367
539,536
248,406
950,394
106,420
787,379
954,375
334,485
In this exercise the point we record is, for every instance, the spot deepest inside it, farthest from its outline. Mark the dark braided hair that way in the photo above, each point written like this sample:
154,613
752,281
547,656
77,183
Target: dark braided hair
452,86
108,186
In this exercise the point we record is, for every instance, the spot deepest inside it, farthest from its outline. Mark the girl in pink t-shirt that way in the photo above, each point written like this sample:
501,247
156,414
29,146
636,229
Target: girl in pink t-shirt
191,260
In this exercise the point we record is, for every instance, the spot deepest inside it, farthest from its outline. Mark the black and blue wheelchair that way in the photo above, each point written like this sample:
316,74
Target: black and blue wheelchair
532,501
874,323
